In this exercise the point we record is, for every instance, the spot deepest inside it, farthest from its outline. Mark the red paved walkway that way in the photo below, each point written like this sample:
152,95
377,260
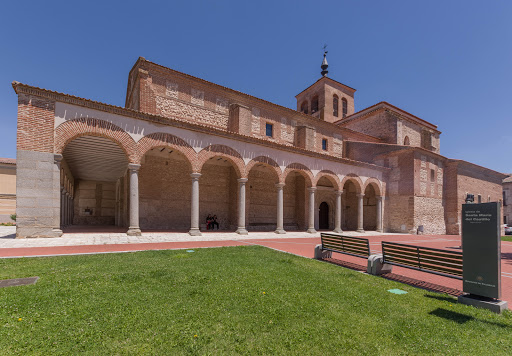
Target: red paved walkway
304,247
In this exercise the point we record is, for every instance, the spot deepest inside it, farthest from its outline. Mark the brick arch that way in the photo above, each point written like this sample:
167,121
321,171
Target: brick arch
354,179
266,161
221,151
333,178
159,139
85,126
302,169
376,185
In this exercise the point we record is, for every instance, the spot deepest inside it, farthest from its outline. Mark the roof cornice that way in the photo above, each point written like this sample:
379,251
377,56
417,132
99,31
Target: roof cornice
327,79
20,88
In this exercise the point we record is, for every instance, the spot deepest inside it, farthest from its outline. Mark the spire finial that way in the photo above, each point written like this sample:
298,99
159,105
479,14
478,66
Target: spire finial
324,65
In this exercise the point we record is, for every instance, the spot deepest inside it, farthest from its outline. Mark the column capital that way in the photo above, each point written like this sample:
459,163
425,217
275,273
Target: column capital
338,192
360,195
311,189
133,167
195,176
280,185
380,197
57,158
242,180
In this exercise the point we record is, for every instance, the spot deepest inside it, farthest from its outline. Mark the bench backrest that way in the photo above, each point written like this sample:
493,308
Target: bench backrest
433,260
354,246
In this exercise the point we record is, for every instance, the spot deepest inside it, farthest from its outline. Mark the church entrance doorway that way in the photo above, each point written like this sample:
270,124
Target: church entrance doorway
324,216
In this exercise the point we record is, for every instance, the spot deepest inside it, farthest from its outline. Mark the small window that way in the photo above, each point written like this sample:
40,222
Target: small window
304,107
269,128
345,107
335,101
407,142
488,198
314,104
432,175
324,144
504,219
479,198
504,199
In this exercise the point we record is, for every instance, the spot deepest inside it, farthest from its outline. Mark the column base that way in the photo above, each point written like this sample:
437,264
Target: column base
311,231
360,230
57,232
338,231
133,231
280,231
379,230
195,232
242,231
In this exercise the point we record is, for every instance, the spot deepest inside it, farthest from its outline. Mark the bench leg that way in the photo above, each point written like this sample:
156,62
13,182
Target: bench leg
321,254
376,266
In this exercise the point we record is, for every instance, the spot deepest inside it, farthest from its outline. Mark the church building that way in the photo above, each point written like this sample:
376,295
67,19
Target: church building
184,148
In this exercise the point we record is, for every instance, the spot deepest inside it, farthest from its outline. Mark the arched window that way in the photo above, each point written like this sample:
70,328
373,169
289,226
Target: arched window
314,104
406,141
335,105
304,107
345,107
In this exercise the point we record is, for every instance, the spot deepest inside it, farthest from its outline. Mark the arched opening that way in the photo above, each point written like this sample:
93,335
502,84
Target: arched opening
406,141
325,194
164,190
304,107
369,209
261,198
345,107
295,205
314,104
94,185
323,221
350,206
335,103
218,193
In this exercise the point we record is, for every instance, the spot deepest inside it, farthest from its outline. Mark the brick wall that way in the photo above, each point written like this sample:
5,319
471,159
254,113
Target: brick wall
95,203
35,123
380,124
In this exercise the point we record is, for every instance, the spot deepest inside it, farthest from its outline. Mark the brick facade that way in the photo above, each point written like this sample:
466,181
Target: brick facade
187,148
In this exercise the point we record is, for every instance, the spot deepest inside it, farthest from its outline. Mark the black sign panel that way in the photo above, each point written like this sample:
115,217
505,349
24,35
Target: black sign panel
481,252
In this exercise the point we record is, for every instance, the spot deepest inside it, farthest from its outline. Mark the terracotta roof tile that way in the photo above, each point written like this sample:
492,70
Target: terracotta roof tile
7,160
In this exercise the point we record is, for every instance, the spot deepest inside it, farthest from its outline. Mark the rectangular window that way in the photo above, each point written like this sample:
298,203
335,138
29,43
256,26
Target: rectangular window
479,198
269,128
504,199
432,175
504,219
324,144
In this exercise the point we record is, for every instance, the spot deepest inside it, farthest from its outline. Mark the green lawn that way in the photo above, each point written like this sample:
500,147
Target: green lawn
233,300
506,238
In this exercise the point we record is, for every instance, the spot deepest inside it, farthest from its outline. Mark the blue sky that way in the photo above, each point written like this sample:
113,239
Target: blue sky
448,62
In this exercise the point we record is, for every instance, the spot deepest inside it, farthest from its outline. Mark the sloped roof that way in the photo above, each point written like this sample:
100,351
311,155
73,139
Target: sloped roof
8,160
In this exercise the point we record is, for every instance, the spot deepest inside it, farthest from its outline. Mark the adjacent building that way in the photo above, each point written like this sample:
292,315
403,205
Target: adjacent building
7,189
184,148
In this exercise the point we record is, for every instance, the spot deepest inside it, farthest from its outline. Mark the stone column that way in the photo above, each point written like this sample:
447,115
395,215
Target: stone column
360,212
66,208
337,216
379,214
311,217
194,216
134,229
61,206
57,201
280,209
241,207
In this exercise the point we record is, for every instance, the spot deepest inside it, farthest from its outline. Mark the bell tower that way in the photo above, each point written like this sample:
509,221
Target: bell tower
326,99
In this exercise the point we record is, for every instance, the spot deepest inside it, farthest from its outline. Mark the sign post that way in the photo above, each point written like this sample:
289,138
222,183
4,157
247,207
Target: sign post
481,255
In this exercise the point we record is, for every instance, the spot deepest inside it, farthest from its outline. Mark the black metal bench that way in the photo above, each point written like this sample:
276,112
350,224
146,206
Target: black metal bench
426,259
348,245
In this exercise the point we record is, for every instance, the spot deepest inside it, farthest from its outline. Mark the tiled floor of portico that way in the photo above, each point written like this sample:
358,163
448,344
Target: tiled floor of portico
94,240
